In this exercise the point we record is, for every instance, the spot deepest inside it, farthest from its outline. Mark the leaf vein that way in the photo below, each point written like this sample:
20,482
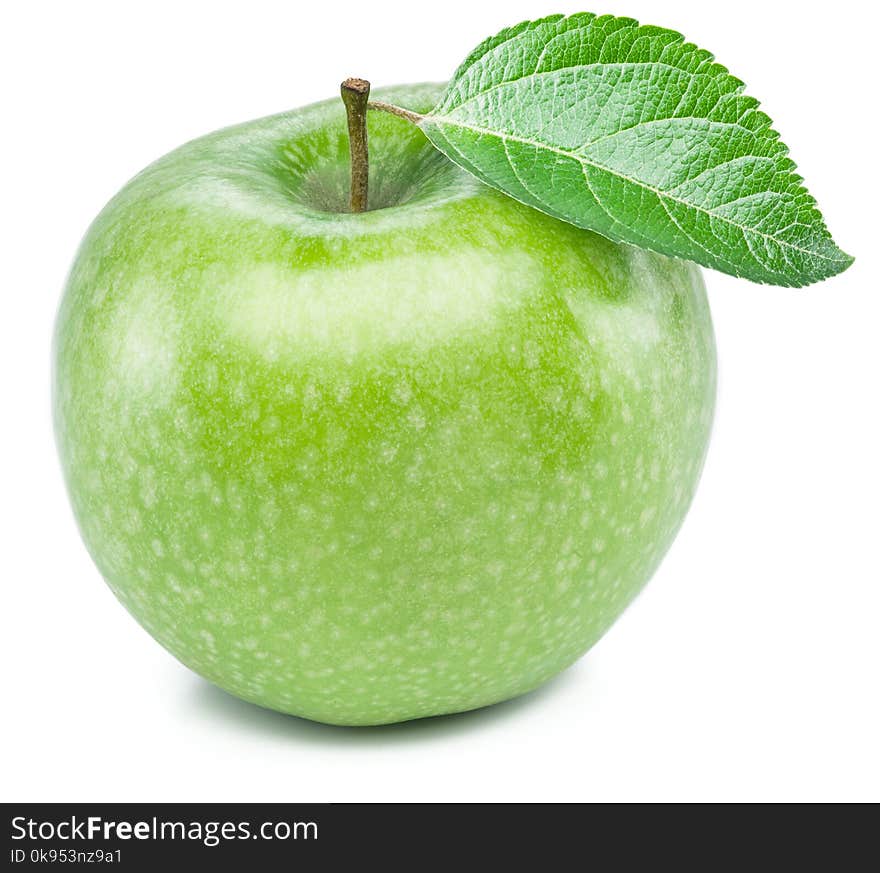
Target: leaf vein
439,119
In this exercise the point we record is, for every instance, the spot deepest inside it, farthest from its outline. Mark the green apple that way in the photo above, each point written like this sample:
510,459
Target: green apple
371,467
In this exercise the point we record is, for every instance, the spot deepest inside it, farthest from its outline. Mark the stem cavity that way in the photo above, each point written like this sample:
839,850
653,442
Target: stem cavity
355,94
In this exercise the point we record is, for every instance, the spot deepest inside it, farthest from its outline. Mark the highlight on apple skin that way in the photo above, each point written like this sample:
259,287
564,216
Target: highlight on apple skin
365,468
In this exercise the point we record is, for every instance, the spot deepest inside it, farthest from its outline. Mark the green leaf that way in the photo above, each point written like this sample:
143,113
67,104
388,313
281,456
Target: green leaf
631,132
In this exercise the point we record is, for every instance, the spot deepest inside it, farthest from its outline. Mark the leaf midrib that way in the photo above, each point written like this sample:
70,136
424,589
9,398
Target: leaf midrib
663,195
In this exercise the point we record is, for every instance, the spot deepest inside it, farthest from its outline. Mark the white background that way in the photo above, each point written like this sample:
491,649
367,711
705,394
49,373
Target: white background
748,670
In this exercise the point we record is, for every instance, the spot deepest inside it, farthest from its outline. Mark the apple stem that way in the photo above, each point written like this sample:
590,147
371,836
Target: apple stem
355,94
391,109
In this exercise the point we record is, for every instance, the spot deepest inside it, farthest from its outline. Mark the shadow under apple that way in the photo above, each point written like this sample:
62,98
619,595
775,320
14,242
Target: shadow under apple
215,703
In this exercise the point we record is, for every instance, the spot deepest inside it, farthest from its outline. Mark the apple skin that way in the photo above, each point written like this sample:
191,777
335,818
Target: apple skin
369,468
